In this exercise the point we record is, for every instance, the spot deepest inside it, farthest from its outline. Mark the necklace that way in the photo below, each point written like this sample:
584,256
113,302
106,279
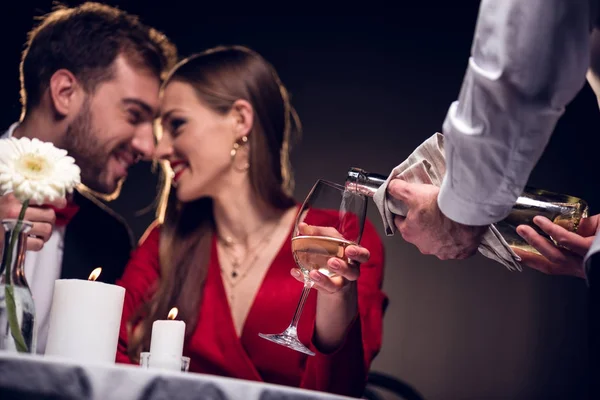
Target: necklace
253,255
228,240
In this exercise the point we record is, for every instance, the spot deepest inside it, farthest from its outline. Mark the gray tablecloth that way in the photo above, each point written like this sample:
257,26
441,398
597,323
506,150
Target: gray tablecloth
27,377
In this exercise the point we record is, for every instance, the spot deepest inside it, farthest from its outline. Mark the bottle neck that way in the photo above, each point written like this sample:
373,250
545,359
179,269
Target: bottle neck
363,182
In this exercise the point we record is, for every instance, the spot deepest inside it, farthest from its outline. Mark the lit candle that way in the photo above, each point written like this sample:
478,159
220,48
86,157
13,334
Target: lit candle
85,319
166,342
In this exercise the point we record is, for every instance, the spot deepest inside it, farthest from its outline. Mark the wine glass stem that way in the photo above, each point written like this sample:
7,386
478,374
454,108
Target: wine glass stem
292,330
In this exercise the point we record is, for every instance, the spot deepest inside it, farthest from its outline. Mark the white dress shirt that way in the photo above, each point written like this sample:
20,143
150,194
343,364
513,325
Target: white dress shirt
528,61
42,268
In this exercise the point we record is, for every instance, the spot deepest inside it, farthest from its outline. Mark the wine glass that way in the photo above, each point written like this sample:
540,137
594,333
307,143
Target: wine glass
329,220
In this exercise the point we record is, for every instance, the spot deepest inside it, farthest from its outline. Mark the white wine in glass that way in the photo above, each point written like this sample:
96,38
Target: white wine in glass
339,223
313,252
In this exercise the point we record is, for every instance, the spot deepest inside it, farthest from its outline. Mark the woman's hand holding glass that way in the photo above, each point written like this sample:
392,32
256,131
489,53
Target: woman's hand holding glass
320,251
332,274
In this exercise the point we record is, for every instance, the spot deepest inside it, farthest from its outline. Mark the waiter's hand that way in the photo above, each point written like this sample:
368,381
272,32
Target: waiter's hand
427,228
564,260
43,219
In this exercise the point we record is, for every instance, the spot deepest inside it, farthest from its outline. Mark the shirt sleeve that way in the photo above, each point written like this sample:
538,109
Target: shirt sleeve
528,61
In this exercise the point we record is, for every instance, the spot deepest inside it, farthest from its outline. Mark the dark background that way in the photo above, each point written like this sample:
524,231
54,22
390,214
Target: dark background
370,83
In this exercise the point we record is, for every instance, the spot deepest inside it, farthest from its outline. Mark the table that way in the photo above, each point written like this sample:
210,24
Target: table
25,376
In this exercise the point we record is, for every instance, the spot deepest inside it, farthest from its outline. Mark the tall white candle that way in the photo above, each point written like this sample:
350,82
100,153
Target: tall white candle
84,320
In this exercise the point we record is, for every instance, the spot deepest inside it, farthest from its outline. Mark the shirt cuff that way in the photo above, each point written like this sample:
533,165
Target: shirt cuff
592,257
466,212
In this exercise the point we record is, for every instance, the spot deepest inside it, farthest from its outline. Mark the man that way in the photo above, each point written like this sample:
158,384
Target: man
90,78
575,255
528,61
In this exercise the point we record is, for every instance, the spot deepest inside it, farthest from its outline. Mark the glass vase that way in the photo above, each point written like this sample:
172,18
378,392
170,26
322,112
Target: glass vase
18,331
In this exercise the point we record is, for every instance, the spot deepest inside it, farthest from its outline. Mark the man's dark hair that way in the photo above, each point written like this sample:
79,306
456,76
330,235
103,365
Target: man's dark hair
86,40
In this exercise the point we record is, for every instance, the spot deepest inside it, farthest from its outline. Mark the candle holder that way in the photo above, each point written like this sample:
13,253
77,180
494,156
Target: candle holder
171,363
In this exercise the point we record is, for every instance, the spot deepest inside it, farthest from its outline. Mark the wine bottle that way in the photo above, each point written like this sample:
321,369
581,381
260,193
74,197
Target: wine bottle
564,210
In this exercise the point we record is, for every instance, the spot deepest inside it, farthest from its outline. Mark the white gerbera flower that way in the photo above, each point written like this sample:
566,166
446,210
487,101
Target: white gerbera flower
36,171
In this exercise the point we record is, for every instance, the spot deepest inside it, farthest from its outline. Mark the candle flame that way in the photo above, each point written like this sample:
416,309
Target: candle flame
95,274
173,313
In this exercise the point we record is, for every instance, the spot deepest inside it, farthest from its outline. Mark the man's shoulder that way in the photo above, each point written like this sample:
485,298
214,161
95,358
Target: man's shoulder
108,222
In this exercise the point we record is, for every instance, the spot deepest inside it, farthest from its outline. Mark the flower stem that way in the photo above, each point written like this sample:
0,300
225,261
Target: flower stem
11,306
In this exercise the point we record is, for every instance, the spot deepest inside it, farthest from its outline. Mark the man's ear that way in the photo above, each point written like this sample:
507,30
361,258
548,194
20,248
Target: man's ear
65,92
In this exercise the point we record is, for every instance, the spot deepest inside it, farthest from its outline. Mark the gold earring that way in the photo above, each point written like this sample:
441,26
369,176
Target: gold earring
243,168
239,143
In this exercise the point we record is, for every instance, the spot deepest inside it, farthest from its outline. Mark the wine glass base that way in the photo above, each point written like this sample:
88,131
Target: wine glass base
287,341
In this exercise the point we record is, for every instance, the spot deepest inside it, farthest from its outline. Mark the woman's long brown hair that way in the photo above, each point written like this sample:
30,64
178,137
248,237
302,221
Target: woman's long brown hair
220,76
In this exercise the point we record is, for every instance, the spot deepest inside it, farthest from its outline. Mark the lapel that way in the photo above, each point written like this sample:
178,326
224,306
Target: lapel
250,356
95,237
9,132
215,313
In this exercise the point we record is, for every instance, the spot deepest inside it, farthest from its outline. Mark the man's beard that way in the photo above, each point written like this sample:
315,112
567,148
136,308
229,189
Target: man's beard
83,144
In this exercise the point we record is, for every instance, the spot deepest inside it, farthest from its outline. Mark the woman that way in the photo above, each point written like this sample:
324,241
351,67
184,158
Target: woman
223,253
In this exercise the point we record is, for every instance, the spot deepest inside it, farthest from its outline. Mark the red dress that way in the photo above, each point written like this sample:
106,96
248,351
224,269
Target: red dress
215,348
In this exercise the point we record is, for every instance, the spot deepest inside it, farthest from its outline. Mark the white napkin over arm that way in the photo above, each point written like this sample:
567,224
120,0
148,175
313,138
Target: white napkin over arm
427,165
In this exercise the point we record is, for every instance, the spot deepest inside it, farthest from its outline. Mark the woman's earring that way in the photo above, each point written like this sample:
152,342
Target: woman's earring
236,146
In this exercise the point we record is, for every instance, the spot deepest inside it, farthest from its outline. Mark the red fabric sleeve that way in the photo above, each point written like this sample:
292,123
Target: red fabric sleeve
141,273
345,370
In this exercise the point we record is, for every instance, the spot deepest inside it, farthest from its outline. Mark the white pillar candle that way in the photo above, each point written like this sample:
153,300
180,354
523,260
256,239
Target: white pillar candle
167,338
84,320
166,344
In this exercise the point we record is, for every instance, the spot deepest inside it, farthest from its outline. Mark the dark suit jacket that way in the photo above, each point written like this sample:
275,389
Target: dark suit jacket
95,237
